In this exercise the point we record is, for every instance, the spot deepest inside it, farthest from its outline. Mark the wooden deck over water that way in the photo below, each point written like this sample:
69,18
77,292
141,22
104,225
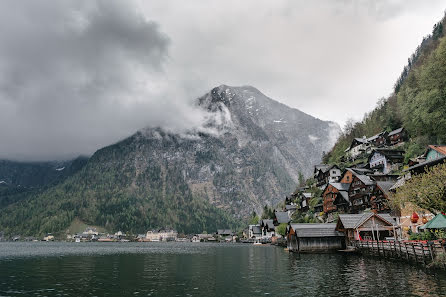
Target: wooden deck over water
412,251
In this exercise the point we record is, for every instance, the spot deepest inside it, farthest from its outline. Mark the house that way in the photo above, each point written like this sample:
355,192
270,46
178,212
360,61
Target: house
434,152
379,201
281,217
378,140
314,238
335,197
254,231
360,190
305,201
357,147
326,174
161,235
397,136
386,160
366,226
421,168
224,232
268,228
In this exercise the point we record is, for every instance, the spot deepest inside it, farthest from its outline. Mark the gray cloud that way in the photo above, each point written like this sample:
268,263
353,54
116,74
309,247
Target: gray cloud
78,75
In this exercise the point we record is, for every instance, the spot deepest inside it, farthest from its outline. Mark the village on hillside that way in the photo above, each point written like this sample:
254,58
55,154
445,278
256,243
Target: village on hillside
349,202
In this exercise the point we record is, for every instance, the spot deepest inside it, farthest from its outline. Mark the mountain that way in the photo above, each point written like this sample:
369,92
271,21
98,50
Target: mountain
18,180
418,103
248,153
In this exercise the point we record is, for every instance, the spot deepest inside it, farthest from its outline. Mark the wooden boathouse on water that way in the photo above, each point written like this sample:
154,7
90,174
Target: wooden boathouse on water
367,226
314,238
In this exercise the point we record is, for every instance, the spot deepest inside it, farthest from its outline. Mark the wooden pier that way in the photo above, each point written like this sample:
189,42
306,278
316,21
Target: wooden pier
423,252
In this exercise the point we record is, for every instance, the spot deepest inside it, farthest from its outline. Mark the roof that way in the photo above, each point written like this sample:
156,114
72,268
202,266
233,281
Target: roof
399,183
439,148
363,178
290,207
352,221
399,130
323,167
420,167
268,223
438,222
385,187
282,217
376,136
388,153
316,230
307,195
341,186
256,229
224,232
344,195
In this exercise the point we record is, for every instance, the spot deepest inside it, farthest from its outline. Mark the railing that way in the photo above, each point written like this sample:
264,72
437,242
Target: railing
412,251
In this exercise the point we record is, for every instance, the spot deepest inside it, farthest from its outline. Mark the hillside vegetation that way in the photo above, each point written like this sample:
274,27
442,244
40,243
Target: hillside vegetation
418,102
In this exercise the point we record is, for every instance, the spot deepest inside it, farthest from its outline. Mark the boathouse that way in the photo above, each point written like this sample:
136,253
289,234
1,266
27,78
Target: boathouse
366,226
314,238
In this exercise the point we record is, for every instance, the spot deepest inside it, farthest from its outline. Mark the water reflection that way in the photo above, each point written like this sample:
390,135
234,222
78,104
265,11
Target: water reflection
182,269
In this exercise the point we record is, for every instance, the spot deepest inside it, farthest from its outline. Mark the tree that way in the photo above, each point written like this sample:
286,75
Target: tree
254,220
427,190
281,229
301,179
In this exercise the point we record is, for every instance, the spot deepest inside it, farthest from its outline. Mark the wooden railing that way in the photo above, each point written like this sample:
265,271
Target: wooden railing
412,251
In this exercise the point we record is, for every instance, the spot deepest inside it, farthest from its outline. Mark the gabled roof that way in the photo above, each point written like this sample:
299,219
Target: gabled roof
316,230
290,207
399,130
439,148
376,136
268,223
438,222
256,229
385,187
323,167
307,195
282,217
366,180
388,153
341,186
420,167
352,221
400,182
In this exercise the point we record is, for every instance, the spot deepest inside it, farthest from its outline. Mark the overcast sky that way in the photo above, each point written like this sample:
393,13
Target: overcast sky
78,75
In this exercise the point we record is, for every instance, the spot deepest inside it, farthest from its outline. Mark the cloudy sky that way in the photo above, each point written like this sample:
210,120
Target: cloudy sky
78,75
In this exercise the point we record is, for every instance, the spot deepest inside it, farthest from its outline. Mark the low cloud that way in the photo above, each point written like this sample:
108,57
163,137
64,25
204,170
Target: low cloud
78,75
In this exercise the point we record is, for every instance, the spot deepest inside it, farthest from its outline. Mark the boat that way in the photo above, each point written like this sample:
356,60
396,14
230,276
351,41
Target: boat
257,242
78,239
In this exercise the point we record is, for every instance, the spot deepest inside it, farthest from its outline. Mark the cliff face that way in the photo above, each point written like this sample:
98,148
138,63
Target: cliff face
248,153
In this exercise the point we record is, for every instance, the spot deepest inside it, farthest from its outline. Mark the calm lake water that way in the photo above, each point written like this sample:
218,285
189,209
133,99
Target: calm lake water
200,269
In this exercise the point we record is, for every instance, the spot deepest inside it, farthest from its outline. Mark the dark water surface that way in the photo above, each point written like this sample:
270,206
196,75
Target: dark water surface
199,269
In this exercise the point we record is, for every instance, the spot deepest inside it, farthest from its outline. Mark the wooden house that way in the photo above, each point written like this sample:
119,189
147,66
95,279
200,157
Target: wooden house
421,168
379,201
325,174
397,136
335,197
357,147
314,238
366,226
378,140
360,190
305,201
281,217
385,160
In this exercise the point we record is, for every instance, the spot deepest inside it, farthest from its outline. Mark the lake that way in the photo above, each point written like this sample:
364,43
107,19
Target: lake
201,269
